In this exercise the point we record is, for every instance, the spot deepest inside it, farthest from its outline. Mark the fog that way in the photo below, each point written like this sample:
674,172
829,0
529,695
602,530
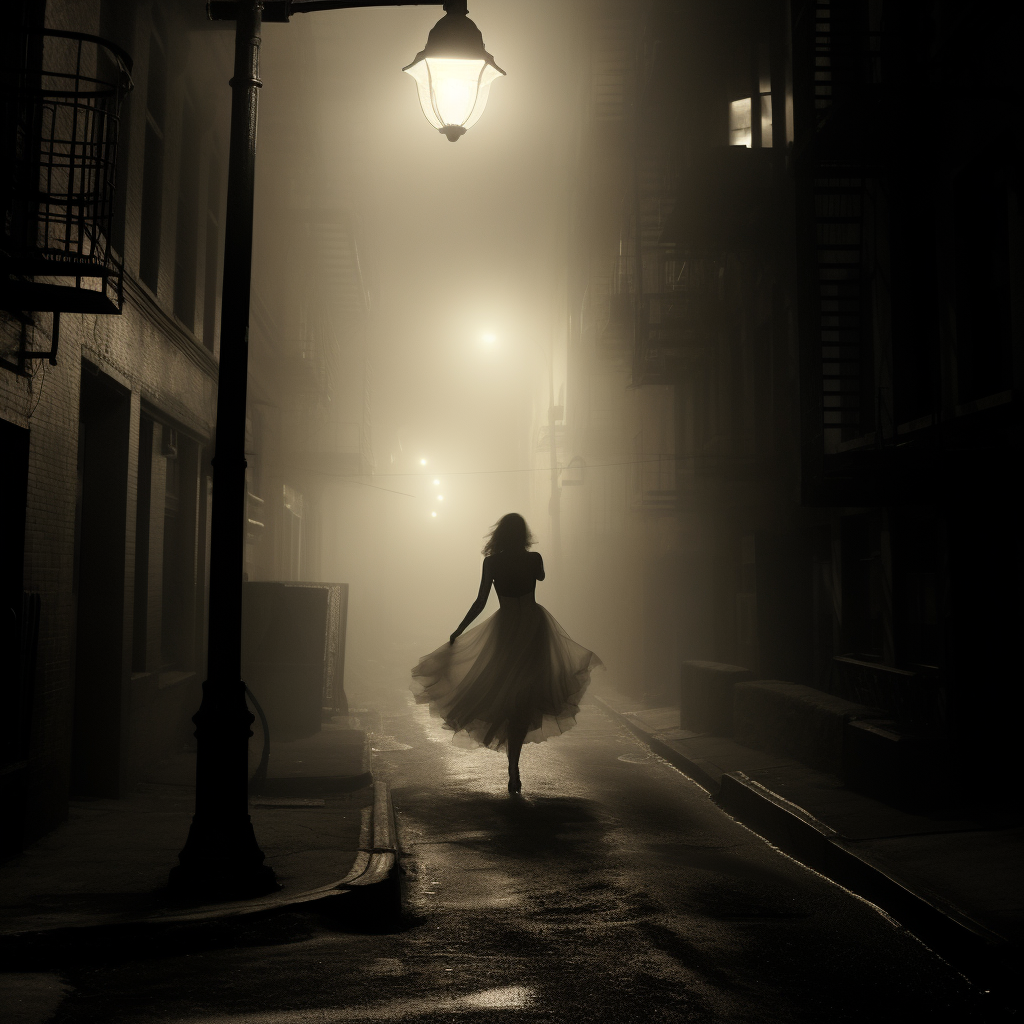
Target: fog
689,297
463,248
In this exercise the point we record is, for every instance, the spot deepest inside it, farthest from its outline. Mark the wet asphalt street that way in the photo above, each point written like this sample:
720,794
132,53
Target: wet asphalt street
613,891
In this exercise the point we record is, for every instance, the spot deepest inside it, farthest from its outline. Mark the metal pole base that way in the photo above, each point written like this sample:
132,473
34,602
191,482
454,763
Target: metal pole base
221,863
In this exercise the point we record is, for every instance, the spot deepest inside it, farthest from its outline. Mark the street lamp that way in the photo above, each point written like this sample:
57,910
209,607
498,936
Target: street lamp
221,857
453,74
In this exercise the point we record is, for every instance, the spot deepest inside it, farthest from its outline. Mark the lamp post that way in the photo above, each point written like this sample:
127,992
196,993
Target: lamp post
221,857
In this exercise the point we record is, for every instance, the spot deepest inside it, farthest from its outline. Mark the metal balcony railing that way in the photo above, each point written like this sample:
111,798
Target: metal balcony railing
61,119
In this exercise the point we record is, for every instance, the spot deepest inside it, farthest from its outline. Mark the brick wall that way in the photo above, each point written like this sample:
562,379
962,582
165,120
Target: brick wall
164,366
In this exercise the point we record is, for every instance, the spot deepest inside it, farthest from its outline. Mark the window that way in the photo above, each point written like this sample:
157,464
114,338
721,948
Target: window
176,578
212,254
750,119
739,123
867,587
983,283
292,546
764,88
186,238
153,164
140,620
166,537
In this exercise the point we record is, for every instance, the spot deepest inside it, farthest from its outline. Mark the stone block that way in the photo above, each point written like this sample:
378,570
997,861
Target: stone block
706,696
882,761
795,721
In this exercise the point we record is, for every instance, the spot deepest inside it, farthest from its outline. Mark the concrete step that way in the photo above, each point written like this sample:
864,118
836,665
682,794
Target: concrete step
796,721
881,760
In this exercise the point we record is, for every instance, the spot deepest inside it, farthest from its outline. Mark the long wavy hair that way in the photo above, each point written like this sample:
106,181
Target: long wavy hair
510,534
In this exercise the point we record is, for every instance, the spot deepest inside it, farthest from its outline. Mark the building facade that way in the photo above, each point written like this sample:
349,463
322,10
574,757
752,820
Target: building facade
789,439
115,171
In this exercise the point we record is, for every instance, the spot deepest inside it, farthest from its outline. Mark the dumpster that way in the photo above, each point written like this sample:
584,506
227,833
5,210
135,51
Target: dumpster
293,652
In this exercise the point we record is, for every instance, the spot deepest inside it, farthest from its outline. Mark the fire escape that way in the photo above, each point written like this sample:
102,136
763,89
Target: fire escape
61,115
842,53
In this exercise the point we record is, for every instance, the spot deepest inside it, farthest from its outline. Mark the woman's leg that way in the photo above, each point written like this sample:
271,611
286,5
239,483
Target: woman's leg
515,748
514,744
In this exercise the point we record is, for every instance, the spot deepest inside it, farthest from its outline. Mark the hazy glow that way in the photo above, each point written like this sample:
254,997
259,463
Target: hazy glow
452,92
440,497
467,311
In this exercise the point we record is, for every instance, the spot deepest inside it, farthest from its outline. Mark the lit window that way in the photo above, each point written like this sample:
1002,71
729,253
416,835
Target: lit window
764,88
766,121
739,122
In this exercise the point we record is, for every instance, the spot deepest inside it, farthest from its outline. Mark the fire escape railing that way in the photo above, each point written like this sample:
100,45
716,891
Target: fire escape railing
845,55
60,122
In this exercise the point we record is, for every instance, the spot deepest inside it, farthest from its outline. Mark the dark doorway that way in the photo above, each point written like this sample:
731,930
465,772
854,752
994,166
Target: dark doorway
866,588
166,552
785,606
101,516
18,633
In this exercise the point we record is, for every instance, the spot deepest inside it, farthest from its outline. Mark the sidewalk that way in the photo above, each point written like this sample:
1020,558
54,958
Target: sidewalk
322,822
953,877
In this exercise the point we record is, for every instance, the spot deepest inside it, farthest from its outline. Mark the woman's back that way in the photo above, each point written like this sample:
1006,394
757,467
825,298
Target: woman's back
516,572
516,676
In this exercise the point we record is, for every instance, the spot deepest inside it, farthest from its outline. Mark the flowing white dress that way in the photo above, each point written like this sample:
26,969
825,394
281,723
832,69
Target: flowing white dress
518,668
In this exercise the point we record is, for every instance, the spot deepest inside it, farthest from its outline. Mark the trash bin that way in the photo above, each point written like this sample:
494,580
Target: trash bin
293,652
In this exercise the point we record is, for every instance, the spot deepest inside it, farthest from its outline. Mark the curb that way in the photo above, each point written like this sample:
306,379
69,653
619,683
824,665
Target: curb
981,954
375,860
986,958
372,876
689,768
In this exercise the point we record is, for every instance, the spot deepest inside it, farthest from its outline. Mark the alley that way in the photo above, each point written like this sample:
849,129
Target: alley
669,312
614,891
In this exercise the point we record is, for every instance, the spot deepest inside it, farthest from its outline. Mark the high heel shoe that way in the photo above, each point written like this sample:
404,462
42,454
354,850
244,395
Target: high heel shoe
515,785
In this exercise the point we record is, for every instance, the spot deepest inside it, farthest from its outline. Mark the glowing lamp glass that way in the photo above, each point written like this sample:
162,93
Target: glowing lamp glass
452,92
453,73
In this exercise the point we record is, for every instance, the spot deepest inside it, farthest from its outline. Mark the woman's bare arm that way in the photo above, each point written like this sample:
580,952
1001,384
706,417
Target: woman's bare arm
486,579
540,565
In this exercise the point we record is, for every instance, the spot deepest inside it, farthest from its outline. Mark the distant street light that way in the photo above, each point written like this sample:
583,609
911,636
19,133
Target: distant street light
221,858
453,73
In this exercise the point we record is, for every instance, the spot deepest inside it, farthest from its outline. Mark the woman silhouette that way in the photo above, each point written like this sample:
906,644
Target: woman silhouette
515,677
